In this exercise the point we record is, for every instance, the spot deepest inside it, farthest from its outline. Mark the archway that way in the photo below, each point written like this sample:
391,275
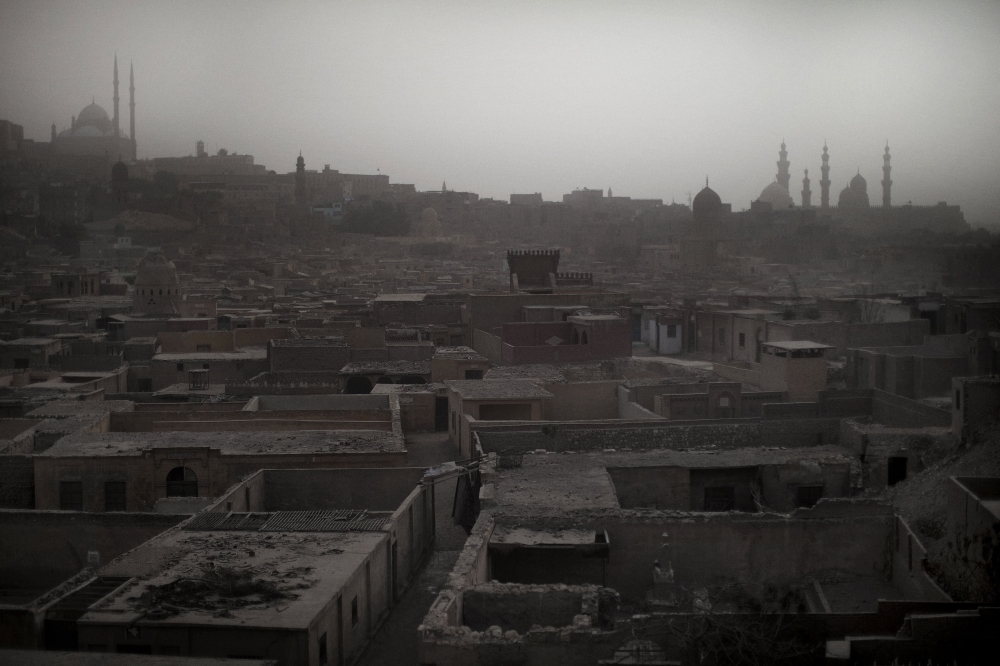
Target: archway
358,384
182,482
576,337
583,338
725,406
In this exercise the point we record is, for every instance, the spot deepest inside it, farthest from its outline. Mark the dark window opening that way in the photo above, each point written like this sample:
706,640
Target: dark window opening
180,367
182,482
134,649
354,612
807,496
897,470
671,330
743,340
473,374
322,650
721,498
958,399
114,496
204,348
71,495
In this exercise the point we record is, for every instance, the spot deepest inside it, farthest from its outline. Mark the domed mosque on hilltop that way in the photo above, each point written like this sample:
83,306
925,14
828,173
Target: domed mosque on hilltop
94,132
157,287
776,193
699,247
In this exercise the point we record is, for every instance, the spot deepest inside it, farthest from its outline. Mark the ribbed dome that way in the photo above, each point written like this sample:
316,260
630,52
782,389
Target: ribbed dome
706,206
119,172
777,196
156,271
94,116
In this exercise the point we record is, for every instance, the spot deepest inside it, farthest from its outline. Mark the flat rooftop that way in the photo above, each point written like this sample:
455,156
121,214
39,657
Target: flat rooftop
388,368
792,345
250,353
112,444
290,577
497,389
69,408
547,482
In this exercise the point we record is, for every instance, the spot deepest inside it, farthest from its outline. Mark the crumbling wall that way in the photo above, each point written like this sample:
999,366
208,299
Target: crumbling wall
518,607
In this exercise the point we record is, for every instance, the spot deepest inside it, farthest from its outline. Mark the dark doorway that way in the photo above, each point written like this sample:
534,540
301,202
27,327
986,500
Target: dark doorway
358,385
182,482
440,414
722,498
897,470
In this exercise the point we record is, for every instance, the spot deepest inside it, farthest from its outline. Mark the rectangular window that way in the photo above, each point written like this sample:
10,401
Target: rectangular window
114,495
354,612
807,496
671,330
473,374
71,495
743,340
719,499
722,336
204,348
180,367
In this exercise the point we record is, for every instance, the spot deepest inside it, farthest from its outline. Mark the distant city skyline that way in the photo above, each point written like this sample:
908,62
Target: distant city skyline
500,99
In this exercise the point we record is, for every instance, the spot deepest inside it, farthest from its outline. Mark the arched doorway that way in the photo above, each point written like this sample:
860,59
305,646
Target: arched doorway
358,384
576,337
412,379
182,482
583,338
724,406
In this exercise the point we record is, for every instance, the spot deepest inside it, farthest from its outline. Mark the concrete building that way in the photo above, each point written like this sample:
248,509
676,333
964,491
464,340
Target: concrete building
311,560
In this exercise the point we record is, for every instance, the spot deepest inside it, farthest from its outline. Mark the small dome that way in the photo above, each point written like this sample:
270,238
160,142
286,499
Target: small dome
156,271
777,196
119,172
94,116
706,206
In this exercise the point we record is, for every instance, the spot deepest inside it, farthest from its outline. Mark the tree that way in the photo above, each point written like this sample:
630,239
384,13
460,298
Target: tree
377,218
733,625
868,309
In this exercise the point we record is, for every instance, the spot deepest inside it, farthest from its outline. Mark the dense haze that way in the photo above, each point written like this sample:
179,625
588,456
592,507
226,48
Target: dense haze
645,97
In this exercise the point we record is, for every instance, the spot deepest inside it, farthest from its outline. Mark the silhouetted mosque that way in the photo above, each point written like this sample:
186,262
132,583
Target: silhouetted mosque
94,133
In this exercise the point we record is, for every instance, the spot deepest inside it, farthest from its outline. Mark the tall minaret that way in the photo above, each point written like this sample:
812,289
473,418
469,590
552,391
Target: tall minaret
784,178
114,121
824,183
131,107
886,181
806,192
300,184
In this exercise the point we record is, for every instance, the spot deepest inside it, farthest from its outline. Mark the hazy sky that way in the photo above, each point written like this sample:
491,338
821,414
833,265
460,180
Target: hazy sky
501,97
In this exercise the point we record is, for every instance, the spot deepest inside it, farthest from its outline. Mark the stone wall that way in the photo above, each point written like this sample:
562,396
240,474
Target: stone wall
17,482
518,607
323,489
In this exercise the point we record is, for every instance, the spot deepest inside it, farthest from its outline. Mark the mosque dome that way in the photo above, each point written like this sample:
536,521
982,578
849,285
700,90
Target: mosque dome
706,206
157,287
155,271
777,196
94,116
119,172
858,183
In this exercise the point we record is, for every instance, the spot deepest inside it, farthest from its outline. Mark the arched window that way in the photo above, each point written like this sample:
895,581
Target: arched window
358,385
576,337
583,338
182,482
